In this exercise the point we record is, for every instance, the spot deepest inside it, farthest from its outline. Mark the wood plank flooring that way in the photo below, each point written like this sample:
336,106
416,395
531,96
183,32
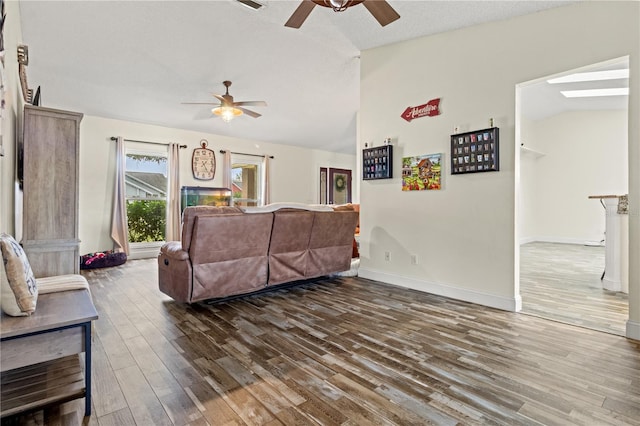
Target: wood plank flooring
562,282
344,351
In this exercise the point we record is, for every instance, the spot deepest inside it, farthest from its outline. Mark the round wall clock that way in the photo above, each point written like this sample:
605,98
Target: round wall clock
203,162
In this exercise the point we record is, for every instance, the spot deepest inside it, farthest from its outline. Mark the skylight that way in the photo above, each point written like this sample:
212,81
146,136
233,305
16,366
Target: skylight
591,76
618,91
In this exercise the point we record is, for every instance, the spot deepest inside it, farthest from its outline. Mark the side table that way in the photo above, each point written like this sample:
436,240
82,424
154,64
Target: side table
40,361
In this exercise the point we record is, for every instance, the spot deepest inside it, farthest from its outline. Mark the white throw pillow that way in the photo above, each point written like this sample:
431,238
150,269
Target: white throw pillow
19,290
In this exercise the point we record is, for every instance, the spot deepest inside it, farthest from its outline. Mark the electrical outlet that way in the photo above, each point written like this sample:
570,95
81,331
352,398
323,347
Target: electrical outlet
414,259
387,256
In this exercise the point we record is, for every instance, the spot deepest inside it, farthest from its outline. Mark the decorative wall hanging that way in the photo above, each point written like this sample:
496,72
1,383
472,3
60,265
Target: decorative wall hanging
423,172
203,162
377,163
339,186
430,109
476,151
23,61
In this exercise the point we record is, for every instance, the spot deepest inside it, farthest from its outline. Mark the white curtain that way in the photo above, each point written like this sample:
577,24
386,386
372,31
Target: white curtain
173,209
226,172
119,227
266,192
226,169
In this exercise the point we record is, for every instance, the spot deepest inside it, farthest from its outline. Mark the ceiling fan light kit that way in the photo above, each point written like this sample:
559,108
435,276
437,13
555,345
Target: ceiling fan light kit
380,9
339,5
226,113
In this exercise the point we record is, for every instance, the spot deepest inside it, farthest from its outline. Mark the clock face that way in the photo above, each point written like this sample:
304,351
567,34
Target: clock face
203,164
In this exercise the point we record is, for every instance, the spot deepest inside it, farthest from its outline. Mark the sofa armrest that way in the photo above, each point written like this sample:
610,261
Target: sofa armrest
173,250
174,272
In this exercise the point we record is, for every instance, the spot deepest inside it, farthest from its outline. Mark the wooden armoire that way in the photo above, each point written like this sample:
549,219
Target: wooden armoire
50,155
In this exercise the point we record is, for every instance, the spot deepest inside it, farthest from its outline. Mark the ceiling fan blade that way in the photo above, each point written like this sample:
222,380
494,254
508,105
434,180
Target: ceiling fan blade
382,11
250,103
219,97
249,112
301,14
199,103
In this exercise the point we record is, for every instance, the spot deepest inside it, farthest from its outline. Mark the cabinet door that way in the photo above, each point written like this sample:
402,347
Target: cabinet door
50,190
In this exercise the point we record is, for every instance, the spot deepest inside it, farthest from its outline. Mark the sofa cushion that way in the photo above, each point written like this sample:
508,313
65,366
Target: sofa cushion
289,244
189,214
20,290
331,242
62,283
229,254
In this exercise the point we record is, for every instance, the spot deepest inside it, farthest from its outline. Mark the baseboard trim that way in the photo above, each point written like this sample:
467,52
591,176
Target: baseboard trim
466,295
633,330
558,240
527,240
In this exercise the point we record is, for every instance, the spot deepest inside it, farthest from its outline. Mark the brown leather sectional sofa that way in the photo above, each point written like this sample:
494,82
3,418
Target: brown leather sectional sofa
226,251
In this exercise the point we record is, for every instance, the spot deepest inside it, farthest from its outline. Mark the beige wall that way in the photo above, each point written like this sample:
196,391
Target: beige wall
584,153
464,235
294,171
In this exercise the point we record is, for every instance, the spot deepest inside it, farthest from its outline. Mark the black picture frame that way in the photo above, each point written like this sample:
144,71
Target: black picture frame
377,163
475,152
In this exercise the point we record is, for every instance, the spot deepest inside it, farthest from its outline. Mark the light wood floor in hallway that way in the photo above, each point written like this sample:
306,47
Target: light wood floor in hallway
346,351
562,282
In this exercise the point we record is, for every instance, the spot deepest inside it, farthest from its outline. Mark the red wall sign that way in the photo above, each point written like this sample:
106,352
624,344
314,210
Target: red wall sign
429,109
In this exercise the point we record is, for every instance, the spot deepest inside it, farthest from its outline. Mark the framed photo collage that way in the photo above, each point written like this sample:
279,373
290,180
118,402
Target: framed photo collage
475,151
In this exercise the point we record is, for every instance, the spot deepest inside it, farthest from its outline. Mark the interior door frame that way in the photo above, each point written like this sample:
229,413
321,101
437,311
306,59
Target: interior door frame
322,191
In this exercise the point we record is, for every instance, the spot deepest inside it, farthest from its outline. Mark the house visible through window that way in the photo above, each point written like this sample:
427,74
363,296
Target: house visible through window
146,195
247,180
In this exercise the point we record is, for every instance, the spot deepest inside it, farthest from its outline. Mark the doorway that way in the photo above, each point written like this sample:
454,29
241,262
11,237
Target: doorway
335,186
570,148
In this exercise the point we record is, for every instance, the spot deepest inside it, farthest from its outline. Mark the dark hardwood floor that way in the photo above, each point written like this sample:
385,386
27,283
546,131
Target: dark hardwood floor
344,351
562,282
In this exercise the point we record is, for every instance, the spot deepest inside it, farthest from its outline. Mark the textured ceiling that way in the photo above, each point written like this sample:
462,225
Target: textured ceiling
138,60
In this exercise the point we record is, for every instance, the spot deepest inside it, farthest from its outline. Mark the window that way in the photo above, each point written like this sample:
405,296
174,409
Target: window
146,186
247,180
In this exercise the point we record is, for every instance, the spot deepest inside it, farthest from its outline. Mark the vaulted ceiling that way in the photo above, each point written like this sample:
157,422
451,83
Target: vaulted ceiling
139,60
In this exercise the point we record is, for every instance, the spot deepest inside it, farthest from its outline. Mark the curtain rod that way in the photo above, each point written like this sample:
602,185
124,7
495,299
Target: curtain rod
114,138
222,151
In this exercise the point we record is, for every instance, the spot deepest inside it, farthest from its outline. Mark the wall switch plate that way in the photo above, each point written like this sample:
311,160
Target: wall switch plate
387,256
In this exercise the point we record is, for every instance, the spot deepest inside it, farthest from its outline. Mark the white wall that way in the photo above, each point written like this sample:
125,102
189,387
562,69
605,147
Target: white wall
464,235
529,154
585,153
294,171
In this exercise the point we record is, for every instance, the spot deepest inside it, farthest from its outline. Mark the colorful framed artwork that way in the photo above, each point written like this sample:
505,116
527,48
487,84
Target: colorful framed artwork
423,172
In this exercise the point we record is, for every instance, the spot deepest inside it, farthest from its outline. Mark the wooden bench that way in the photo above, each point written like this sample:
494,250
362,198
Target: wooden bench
40,360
